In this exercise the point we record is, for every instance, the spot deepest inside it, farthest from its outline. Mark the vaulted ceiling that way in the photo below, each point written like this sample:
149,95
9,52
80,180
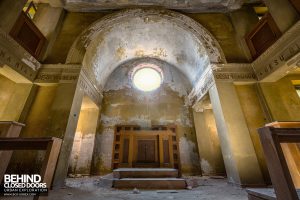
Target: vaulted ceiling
152,33
183,5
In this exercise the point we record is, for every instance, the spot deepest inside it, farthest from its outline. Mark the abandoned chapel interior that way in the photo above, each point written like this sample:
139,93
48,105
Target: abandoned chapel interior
152,99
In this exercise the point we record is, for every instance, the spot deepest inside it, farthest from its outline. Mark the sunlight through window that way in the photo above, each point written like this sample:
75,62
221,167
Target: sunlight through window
147,79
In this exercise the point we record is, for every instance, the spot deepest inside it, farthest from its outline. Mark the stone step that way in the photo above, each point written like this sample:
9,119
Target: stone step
150,183
145,173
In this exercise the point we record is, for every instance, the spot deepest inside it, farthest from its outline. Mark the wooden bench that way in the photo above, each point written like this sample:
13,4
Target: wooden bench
8,129
271,139
50,144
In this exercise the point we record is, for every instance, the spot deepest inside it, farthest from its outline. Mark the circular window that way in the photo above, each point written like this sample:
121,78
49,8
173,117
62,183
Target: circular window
147,79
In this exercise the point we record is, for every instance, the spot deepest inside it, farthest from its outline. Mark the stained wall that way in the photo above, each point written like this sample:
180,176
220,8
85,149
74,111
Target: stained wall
13,97
83,145
123,105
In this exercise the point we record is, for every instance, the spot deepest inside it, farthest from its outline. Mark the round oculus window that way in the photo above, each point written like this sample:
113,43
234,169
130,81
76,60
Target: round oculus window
147,79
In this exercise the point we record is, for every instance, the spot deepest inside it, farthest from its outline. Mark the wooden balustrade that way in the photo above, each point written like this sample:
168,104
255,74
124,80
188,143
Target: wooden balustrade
28,35
9,141
264,34
274,142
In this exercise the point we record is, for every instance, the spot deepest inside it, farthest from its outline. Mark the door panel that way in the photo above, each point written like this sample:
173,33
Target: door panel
145,148
146,151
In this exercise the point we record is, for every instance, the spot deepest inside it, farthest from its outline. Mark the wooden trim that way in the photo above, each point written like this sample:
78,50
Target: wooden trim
266,20
31,5
159,133
24,20
50,144
8,129
279,172
296,4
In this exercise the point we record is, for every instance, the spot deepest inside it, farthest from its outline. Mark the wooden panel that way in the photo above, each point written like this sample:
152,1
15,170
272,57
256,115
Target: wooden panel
125,150
8,129
145,148
282,182
291,151
117,150
264,34
146,151
166,151
28,35
296,4
50,144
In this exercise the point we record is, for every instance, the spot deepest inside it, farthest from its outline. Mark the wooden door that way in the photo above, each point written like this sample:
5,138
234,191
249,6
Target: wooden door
146,151
146,148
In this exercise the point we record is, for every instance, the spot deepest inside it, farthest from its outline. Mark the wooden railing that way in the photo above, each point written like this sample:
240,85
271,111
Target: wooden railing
264,34
9,141
271,139
28,35
296,4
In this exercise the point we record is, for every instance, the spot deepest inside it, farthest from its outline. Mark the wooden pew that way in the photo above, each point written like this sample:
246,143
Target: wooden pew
8,129
50,144
271,139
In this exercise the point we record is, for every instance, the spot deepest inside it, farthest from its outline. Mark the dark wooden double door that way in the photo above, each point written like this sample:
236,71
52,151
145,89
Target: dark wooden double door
146,152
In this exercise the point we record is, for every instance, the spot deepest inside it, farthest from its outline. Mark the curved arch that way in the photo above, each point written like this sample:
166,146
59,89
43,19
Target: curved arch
120,78
169,36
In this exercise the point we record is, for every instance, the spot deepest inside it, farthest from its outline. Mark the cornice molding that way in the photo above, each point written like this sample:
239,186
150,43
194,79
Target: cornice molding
278,55
90,89
202,86
234,72
59,73
72,74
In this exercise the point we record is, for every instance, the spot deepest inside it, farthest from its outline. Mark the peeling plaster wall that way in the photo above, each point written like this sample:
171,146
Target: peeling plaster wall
73,24
221,27
212,162
186,5
154,35
83,145
123,104
218,24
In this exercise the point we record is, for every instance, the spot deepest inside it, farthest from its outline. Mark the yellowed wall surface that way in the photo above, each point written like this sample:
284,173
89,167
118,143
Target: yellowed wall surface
13,97
36,126
212,162
282,99
83,146
255,119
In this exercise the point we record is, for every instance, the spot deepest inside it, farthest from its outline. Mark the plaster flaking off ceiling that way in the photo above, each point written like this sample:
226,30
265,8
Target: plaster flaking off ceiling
145,33
156,38
185,5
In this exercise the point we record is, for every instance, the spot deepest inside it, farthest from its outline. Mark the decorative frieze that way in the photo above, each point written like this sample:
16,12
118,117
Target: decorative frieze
16,57
234,72
278,54
59,73
202,86
69,73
